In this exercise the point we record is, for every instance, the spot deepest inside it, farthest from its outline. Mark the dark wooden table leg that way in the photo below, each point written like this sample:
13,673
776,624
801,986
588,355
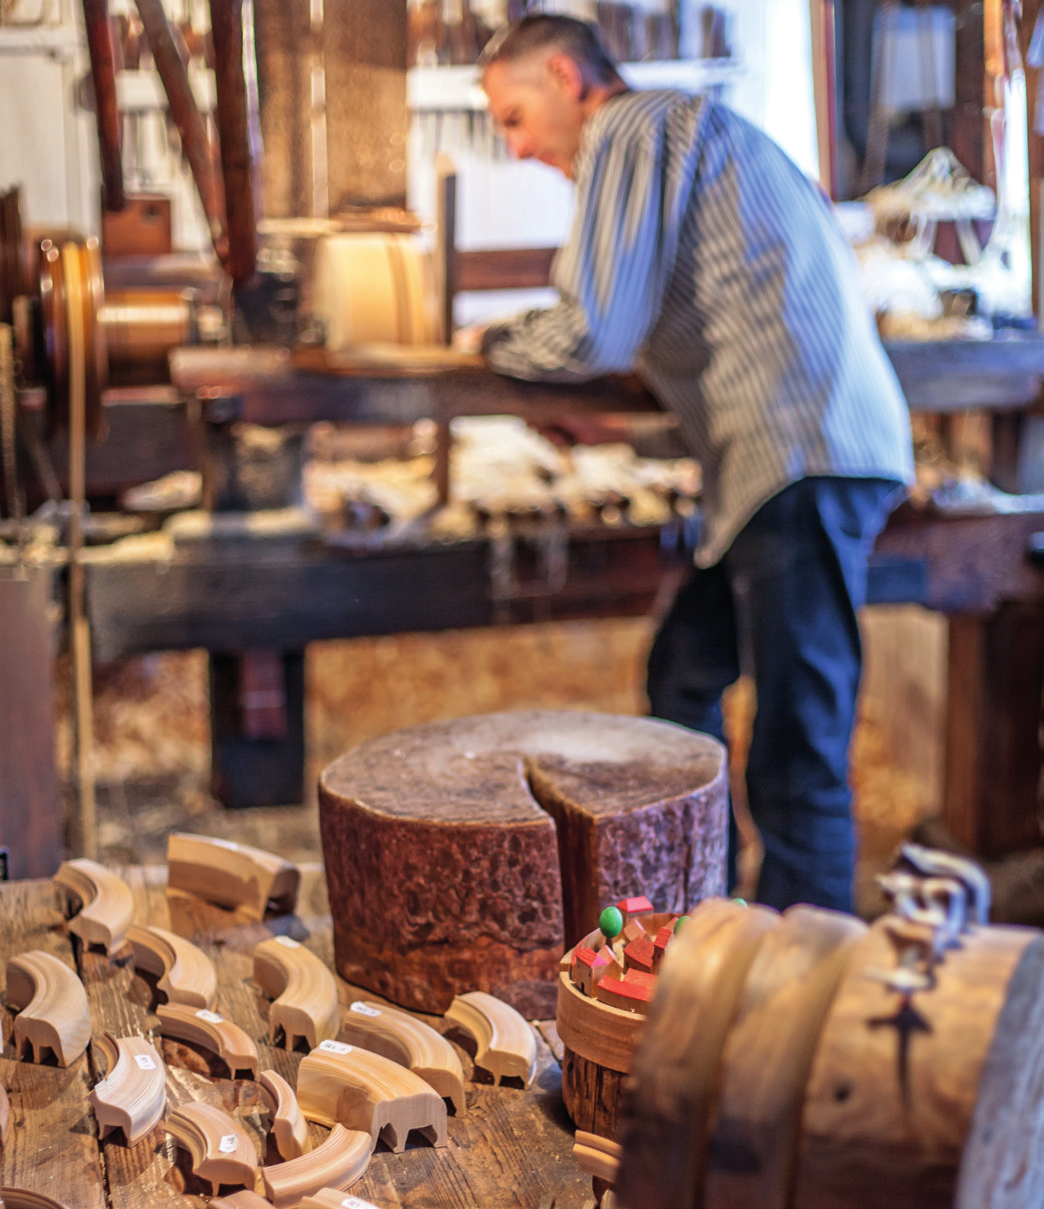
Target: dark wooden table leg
993,729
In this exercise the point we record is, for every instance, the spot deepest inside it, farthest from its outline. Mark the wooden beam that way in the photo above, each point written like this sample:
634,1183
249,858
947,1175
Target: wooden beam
285,58
364,47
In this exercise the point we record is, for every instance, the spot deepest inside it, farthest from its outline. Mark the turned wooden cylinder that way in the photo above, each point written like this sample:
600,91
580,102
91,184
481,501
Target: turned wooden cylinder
466,855
778,1069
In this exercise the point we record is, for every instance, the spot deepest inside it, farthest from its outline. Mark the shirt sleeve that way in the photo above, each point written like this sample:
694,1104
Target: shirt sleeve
612,273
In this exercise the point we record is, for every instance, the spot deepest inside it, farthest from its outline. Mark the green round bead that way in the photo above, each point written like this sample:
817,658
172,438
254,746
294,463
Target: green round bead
679,921
610,922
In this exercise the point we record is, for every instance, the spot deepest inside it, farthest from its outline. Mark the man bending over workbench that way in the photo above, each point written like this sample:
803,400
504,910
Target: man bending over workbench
703,258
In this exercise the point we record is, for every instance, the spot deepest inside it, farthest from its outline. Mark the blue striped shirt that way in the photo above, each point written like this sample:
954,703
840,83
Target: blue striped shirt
702,257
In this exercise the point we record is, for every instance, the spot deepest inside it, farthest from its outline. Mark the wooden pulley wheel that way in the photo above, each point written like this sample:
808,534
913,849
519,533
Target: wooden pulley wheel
88,294
768,1055
678,1060
53,320
375,289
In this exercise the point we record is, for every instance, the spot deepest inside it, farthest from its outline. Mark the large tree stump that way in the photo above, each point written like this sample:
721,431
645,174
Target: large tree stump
467,855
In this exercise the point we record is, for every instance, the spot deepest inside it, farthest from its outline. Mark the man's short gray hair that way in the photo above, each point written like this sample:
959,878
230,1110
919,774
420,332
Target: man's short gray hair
551,32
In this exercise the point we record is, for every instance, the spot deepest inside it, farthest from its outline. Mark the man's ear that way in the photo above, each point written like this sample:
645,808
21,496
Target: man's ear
568,75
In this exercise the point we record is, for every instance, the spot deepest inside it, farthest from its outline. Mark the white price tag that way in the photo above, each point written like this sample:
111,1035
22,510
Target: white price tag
364,1009
287,942
335,1047
145,1062
228,1143
210,1017
353,1202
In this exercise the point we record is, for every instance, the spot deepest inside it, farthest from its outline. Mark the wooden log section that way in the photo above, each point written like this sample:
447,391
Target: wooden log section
458,852
893,1088
666,1119
768,1054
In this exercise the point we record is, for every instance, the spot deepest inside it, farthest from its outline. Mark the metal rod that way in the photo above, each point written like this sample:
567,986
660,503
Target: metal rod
103,72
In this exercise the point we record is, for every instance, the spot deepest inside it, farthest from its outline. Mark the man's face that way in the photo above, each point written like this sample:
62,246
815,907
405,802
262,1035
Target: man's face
537,105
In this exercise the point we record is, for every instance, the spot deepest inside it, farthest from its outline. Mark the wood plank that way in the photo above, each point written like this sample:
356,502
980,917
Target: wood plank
364,45
282,33
32,819
993,746
52,1148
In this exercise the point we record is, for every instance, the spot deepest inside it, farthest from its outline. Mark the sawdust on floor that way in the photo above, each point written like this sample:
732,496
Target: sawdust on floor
152,738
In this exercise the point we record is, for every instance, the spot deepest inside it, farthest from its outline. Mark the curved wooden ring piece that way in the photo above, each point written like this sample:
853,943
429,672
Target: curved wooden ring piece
244,1199
341,1160
22,1198
133,1095
212,1031
337,1083
676,1064
231,875
411,1043
5,1116
108,904
53,1013
334,1198
289,1128
220,1149
768,1055
185,973
597,1156
505,1040
304,992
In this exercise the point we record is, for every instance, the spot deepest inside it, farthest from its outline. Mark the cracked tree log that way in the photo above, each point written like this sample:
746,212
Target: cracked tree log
467,855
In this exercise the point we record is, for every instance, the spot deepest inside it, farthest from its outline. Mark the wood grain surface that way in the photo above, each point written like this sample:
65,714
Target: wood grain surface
512,1149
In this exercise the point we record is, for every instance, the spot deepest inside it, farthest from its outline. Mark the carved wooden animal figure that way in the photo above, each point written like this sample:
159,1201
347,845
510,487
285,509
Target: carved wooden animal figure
185,973
231,875
342,1083
505,1039
133,1095
337,1163
305,992
411,1043
108,904
53,1014
289,1129
212,1031
220,1149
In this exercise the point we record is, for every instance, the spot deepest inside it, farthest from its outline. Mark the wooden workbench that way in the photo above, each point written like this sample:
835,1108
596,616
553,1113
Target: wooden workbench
512,1148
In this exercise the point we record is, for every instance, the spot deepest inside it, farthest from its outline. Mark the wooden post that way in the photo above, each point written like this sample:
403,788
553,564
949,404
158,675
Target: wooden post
195,145
103,73
365,53
31,825
237,158
993,749
824,84
286,55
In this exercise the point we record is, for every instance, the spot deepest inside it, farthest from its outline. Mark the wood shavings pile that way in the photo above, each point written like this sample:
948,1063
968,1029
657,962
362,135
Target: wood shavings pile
499,467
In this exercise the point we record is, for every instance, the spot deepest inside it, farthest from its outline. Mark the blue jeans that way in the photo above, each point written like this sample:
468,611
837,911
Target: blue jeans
781,605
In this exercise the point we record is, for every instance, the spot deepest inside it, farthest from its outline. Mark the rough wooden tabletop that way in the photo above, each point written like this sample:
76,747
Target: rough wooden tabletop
513,1147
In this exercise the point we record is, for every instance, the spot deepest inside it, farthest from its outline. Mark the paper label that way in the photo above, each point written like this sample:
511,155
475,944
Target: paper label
353,1202
145,1062
287,942
228,1143
335,1047
364,1009
210,1017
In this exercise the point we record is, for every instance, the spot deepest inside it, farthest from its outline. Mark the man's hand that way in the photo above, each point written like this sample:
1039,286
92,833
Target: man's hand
469,339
